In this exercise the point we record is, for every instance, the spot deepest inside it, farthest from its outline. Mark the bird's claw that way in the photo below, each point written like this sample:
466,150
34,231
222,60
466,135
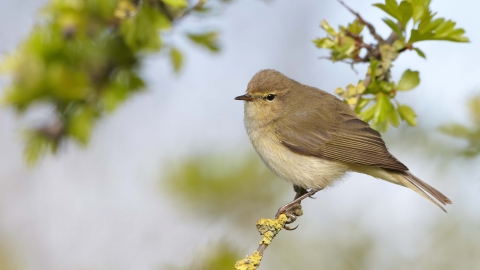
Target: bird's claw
290,229
292,213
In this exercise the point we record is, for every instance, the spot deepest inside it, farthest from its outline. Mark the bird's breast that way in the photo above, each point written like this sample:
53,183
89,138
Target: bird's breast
305,171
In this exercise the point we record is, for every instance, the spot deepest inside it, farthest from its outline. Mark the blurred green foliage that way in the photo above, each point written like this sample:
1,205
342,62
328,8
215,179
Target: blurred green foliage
224,188
6,262
469,133
82,61
374,98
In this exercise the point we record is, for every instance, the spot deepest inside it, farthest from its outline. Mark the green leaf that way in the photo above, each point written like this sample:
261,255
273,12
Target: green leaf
399,44
395,28
35,147
176,58
324,43
420,53
176,3
362,103
386,87
419,9
407,114
141,32
439,29
355,27
405,10
207,40
373,73
80,125
410,79
392,115
324,24
430,26
390,7
367,114
416,36
381,108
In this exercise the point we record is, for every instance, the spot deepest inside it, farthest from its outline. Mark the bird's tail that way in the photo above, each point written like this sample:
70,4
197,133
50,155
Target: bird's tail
411,181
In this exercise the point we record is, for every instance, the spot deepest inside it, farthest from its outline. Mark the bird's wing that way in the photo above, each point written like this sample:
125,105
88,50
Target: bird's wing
342,137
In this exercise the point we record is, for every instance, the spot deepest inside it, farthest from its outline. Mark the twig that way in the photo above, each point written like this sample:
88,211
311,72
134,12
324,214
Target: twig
362,21
359,40
269,228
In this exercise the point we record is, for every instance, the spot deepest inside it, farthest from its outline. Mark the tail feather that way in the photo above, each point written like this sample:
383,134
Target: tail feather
431,190
409,180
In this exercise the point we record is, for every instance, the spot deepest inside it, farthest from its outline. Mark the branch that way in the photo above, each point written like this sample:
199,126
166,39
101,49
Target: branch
366,82
362,21
269,228
372,51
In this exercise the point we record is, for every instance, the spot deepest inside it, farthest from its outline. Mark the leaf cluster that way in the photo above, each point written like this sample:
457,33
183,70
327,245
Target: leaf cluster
374,98
83,61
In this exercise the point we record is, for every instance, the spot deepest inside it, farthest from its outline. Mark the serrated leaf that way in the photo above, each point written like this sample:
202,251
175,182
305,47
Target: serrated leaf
176,58
419,8
405,10
395,28
390,7
410,79
420,53
439,29
407,114
355,27
176,3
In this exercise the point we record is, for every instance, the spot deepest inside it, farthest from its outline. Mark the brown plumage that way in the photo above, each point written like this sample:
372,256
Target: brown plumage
312,123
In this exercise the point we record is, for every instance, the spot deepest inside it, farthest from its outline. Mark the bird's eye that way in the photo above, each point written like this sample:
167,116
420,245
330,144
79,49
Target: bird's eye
270,97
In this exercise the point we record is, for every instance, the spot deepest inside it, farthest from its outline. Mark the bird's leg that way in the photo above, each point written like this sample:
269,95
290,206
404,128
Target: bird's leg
293,209
299,191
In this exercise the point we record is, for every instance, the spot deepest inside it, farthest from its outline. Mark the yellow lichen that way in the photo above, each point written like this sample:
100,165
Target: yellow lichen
271,225
251,262
268,228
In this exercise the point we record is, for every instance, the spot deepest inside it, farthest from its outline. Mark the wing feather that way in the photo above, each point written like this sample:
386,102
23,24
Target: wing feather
343,138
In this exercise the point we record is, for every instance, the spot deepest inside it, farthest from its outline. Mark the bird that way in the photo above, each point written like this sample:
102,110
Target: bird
312,139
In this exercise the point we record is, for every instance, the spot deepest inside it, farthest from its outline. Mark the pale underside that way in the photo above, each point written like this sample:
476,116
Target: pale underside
306,171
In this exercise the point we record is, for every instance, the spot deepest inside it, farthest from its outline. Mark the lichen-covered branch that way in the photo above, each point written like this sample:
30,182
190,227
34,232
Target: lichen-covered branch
269,228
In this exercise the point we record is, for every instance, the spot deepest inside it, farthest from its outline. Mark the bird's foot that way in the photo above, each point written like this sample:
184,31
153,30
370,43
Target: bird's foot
292,214
293,209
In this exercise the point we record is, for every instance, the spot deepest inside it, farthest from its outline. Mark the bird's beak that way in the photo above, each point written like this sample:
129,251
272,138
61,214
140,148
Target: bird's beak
245,97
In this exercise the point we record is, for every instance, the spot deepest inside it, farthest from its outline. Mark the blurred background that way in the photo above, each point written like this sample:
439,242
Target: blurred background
171,181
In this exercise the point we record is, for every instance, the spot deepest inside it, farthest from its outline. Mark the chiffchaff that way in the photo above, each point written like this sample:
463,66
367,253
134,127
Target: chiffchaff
311,138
